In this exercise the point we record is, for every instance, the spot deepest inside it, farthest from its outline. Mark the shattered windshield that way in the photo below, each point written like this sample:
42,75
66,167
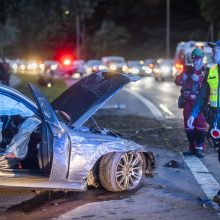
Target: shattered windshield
10,106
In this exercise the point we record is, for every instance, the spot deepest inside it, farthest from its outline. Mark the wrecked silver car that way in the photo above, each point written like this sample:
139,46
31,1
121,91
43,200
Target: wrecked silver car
51,146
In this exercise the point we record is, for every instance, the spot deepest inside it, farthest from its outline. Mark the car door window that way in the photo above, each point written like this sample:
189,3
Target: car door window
10,106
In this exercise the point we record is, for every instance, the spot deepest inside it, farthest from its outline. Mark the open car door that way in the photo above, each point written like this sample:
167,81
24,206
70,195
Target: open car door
58,147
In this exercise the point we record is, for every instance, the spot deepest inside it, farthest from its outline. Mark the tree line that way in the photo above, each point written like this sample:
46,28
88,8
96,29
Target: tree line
132,28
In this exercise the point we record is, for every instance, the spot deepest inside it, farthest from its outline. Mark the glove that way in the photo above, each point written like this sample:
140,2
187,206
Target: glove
184,77
190,122
194,77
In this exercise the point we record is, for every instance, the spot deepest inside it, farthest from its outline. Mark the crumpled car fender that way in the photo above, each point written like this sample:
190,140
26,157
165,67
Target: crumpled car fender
84,156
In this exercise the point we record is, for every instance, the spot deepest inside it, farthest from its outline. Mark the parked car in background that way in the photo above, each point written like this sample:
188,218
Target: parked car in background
62,152
93,66
114,64
71,68
79,67
137,67
163,69
33,67
149,63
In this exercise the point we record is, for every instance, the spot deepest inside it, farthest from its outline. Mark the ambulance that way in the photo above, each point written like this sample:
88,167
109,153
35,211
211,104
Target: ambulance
183,57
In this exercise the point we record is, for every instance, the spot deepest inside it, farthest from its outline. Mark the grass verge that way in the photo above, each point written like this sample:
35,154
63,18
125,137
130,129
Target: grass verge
51,93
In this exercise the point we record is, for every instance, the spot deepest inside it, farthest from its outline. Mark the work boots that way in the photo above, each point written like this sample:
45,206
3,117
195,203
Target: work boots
190,152
199,153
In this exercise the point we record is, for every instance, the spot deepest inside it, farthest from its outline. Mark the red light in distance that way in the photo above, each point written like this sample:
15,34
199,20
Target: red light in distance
66,62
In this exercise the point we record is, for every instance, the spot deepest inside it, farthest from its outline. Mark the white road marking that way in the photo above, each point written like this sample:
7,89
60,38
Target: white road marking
204,178
165,109
152,107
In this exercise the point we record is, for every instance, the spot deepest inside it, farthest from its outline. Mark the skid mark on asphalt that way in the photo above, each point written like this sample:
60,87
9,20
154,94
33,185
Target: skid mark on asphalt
204,178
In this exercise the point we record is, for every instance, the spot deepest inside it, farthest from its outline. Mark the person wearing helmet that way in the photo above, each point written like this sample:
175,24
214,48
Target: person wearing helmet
190,81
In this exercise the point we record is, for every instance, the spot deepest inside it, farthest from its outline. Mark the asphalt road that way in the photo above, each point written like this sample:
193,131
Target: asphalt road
172,193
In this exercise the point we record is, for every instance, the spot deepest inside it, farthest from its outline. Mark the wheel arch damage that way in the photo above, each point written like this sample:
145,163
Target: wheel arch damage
93,175
87,150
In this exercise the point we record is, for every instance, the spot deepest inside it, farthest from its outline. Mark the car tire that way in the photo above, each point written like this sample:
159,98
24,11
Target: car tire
121,171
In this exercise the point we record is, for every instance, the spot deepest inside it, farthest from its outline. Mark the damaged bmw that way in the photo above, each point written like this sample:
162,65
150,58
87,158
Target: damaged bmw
50,146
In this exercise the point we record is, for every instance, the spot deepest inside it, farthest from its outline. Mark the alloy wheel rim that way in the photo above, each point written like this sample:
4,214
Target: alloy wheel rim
129,171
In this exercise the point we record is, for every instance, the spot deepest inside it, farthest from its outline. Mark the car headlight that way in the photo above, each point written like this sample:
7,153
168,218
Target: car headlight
125,68
53,67
32,66
42,66
22,67
102,67
147,69
135,70
156,70
165,69
113,67
14,66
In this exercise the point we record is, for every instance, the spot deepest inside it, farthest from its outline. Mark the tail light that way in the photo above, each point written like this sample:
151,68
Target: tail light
179,67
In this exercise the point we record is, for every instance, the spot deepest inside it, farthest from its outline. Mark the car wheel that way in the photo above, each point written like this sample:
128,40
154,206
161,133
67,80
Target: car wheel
121,171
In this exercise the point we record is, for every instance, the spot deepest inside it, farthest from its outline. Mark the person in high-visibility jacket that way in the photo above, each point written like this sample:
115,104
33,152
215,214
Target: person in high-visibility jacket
209,93
210,90
190,81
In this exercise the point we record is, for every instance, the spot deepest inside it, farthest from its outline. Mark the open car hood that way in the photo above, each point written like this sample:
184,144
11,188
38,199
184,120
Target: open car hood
89,94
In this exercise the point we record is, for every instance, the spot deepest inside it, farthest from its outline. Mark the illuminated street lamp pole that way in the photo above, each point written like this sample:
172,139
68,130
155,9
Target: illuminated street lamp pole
168,29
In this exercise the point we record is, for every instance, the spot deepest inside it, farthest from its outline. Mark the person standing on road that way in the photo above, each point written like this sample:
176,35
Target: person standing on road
210,90
191,81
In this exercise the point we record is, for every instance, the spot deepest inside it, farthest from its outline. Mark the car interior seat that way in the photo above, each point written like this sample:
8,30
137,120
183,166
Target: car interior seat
19,143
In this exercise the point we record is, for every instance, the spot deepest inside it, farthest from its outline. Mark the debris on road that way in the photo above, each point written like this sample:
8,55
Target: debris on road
145,131
174,164
205,202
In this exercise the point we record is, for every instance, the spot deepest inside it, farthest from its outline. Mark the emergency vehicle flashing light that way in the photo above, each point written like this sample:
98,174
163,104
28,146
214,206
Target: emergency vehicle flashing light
66,62
179,67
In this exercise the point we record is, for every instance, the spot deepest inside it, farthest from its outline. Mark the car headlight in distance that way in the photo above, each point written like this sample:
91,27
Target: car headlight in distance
42,67
147,69
165,69
32,66
113,67
156,70
135,70
14,66
53,67
125,68
22,67
102,67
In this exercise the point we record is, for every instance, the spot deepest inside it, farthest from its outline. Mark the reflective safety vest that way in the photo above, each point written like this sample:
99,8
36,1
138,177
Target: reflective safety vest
213,84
